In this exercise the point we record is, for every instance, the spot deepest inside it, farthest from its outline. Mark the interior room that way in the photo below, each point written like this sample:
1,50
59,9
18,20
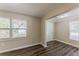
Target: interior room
39,29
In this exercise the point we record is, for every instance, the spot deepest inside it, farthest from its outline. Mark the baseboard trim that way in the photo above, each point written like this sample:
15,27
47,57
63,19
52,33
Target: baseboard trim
67,43
17,48
44,45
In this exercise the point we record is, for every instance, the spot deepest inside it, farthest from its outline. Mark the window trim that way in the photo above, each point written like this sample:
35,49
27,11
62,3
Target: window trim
11,30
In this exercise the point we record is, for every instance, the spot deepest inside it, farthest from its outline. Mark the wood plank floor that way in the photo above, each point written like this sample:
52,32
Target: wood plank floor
54,48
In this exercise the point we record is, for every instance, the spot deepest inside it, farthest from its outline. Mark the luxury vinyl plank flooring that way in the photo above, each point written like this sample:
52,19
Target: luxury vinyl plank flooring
54,48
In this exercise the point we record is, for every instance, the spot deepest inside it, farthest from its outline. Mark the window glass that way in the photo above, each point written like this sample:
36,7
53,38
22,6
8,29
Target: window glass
4,22
18,23
4,33
19,33
12,28
74,30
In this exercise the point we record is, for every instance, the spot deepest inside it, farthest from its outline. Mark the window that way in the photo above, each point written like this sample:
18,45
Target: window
18,23
4,22
74,30
18,28
4,33
4,27
12,28
19,33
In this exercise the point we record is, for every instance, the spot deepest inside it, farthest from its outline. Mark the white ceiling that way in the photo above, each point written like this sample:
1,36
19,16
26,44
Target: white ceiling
32,9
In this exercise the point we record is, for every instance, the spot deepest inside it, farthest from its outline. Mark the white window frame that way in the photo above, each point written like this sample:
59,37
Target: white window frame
11,29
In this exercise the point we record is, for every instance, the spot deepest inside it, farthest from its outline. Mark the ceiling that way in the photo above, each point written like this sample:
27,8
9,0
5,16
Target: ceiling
32,9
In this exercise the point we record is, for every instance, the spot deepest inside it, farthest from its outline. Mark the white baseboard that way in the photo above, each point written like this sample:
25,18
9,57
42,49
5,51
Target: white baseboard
67,43
44,45
12,49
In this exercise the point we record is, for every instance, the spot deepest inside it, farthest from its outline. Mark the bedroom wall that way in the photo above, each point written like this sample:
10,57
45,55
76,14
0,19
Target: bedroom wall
33,33
62,32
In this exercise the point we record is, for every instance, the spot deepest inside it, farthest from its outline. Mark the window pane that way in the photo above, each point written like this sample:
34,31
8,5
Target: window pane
19,33
74,30
74,36
4,34
4,22
18,23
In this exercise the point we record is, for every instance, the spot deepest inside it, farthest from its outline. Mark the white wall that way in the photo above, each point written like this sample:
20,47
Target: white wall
49,30
33,33
43,35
